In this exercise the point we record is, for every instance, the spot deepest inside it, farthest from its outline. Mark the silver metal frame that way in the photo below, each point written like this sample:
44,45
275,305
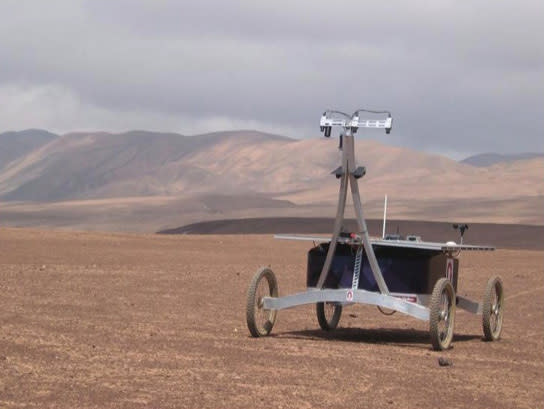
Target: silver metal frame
347,296
348,168
414,305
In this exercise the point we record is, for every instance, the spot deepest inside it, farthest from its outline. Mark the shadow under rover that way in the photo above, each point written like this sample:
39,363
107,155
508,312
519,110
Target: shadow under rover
394,336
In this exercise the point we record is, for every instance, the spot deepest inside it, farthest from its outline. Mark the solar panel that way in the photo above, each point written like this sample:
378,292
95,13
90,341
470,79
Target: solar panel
422,245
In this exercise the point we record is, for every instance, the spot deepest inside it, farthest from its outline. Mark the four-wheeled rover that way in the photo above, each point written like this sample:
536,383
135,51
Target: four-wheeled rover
414,277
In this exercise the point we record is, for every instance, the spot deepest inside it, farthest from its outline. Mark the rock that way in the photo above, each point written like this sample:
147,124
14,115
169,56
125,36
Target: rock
444,361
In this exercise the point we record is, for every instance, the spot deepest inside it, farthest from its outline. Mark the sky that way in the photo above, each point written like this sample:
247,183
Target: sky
459,77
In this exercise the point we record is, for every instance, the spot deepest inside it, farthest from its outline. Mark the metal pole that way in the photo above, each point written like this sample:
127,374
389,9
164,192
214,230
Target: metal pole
376,272
348,177
342,194
384,216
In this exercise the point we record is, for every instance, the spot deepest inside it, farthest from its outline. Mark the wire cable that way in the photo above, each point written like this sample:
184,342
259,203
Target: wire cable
331,111
371,111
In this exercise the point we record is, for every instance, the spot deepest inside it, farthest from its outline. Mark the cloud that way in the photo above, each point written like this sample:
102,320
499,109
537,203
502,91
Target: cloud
59,110
458,77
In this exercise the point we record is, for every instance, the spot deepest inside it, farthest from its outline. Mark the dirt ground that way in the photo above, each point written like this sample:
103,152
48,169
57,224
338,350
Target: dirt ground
91,320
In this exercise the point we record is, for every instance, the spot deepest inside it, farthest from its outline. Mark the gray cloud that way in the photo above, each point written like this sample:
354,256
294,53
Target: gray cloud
458,77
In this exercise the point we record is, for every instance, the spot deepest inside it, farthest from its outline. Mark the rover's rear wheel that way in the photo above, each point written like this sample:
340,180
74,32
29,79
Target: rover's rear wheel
442,314
493,307
328,315
259,320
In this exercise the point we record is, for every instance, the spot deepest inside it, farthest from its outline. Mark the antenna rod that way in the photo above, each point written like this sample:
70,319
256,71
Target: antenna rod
384,216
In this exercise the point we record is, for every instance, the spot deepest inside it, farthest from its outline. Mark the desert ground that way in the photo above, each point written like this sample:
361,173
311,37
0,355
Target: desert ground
105,320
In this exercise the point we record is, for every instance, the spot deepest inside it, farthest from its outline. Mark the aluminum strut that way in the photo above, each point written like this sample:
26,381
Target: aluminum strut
356,197
348,165
344,180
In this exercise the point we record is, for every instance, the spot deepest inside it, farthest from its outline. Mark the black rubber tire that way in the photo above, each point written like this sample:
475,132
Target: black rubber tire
442,310
493,307
328,321
260,321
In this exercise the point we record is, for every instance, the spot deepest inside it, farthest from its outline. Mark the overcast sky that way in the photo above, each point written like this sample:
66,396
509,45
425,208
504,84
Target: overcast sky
460,77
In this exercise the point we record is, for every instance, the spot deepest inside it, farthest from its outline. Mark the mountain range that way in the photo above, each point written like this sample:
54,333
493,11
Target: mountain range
145,181
488,159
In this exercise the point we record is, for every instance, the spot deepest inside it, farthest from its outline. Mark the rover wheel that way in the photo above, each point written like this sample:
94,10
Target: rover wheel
442,314
328,315
493,307
259,320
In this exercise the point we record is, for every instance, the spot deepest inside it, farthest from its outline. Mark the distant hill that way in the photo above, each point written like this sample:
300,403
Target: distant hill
488,159
136,163
14,145
146,181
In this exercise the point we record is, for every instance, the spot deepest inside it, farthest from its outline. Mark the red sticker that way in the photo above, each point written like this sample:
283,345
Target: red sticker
349,295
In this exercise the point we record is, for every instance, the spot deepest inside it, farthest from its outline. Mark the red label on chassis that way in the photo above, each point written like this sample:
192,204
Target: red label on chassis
406,297
349,295
449,269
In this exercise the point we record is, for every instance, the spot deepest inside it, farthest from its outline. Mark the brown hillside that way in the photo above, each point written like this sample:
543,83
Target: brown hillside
145,181
14,145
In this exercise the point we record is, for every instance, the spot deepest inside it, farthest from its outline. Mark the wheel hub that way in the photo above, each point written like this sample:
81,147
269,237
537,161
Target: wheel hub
495,309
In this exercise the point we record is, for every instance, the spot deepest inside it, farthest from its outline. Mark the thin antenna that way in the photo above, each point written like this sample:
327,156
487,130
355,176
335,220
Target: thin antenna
384,216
